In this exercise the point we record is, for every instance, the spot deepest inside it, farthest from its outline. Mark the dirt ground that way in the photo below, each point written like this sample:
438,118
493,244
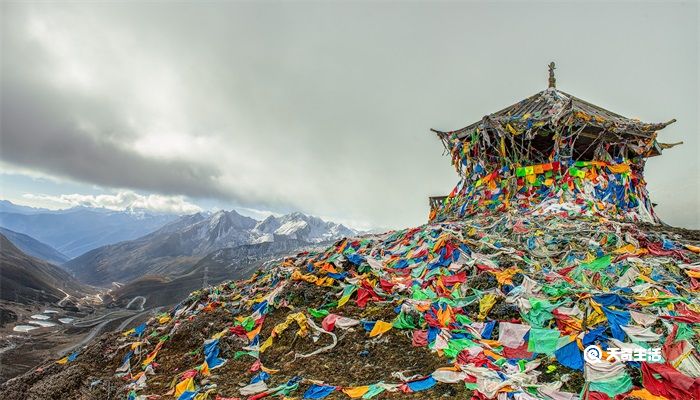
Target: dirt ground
356,359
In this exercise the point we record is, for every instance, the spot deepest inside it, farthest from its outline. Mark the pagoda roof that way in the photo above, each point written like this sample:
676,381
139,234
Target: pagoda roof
555,108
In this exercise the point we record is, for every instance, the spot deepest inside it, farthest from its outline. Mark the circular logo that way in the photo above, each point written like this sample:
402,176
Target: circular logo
592,354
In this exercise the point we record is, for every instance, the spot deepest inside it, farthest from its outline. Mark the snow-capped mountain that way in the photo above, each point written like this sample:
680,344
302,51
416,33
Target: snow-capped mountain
174,248
300,227
215,231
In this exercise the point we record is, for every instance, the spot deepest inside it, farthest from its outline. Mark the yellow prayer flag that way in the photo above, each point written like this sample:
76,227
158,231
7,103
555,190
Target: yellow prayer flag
185,386
267,343
356,392
379,328
205,368
645,395
485,305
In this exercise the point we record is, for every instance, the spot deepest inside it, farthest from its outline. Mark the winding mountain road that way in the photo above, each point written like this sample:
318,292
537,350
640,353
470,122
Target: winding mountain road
92,322
98,325
63,300
143,302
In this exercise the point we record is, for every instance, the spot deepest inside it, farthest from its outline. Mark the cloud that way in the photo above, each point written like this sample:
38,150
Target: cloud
54,125
122,201
325,108
255,213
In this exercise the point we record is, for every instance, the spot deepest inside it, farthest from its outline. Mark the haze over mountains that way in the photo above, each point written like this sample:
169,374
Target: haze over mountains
76,230
7,206
33,247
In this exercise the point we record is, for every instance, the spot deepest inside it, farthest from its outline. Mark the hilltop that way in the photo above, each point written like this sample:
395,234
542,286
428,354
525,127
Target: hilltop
492,304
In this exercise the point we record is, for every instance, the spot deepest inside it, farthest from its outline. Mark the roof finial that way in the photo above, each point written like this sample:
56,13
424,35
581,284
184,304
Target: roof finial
552,80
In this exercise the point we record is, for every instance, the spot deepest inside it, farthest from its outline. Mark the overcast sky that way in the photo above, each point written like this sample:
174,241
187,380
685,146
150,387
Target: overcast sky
322,107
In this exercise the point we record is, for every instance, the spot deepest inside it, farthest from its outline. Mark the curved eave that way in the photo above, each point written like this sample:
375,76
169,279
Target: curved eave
641,128
553,106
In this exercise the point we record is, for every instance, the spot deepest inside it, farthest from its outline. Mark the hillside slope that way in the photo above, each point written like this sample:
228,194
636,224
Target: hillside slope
225,264
25,279
492,306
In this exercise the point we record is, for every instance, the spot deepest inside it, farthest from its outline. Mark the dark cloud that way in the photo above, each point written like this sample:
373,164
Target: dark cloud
76,136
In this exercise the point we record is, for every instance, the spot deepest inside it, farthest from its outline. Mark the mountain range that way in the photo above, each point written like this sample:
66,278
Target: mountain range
176,248
33,247
229,263
160,257
7,206
77,230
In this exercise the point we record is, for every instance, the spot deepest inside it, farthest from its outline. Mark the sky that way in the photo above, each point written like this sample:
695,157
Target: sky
320,107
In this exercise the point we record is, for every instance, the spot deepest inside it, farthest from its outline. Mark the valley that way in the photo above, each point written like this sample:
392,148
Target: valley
52,305
31,334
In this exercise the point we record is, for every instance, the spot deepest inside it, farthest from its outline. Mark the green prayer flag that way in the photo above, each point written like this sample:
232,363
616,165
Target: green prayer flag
248,324
318,313
373,391
404,321
540,312
423,294
684,332
455,346
543,340
613,387
598,263
463,319
418,271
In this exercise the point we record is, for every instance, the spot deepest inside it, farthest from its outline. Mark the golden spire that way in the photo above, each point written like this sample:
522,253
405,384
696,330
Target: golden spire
552,80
